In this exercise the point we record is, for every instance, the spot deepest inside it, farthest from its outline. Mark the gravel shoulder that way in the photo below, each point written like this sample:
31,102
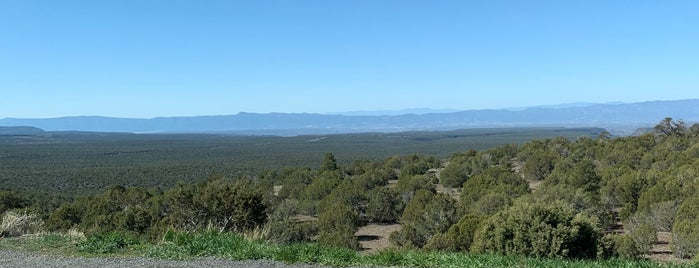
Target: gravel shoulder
13,258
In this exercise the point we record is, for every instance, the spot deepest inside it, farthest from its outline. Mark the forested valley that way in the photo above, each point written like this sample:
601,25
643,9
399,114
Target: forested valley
583,197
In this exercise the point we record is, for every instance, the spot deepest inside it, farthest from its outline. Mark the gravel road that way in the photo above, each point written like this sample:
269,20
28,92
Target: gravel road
11,258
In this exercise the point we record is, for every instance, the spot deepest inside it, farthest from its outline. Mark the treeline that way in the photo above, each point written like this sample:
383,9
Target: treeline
553,198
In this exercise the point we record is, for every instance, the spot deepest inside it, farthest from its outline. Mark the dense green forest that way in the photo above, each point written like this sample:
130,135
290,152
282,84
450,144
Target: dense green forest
573,198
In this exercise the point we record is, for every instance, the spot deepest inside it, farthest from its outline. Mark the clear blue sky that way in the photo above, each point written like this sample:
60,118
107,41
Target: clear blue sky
146,58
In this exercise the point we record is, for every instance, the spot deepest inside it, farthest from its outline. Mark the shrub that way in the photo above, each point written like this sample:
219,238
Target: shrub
459,236
455,174
294,180
622,188
605,247
234,206
64,217
626,247
409,185
490,191
286,209
662,215
385,206
9,200
539,165
347,193
685,239
426,215
342,236
289,231
320,188
329,163
337,226
643,233
16,223
618,246
685,231
414,169
539,230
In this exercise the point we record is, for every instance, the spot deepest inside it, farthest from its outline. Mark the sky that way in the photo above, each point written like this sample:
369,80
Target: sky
149,58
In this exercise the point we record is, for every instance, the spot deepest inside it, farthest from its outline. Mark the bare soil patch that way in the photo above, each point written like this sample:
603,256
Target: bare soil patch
662,252
374,237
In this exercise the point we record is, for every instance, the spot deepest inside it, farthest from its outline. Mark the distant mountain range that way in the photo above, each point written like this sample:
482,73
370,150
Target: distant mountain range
619,118
398,112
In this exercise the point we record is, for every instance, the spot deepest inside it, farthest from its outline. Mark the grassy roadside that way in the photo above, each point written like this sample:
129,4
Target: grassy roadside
180,246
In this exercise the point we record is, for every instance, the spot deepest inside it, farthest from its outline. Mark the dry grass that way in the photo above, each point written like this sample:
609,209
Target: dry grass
20,223
277,189
257,234
304,218
453,192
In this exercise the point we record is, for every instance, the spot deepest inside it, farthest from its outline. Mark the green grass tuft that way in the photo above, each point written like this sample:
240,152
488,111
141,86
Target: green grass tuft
108,243
189,245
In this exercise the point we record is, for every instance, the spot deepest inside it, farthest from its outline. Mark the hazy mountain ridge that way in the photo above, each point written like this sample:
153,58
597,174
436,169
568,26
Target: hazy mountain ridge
417,111
20,130
623,117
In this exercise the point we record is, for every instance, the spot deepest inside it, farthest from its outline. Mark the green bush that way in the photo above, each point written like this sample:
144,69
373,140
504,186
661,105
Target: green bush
685,239
294,180
342,236
385,206
10,200
622,188
329,163
490,191
235,206
289,231
455,174
617,246
337,226
605,247
284,210
626,247
685,231
320,188
409,185
643,233
348,193
539,165
549,230
426,215
228,206
64,217
459,237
